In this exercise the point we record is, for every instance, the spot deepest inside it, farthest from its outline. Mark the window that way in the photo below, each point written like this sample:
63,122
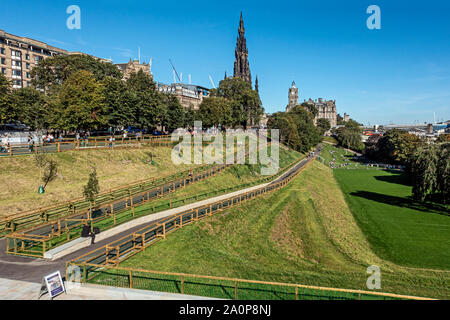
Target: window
28,75
27,65
16,63
2,50
16,73
28,84
15,53
3,61
18,82
27,56
37,59
3,70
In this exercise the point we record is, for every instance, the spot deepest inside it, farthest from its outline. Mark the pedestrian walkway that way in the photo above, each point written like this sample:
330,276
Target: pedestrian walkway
23,290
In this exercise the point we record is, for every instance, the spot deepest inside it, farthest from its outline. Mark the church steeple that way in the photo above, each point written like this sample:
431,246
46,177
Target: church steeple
241,65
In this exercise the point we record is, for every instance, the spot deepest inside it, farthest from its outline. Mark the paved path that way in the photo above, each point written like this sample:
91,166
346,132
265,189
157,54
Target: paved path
32,270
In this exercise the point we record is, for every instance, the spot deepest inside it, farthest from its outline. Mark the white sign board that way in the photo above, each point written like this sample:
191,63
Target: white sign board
54,283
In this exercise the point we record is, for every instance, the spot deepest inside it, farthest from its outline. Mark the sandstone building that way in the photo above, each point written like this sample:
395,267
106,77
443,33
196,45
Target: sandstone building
134,66
190,96
18,55
326,109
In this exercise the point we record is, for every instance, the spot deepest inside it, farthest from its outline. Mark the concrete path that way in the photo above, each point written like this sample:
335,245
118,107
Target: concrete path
22,290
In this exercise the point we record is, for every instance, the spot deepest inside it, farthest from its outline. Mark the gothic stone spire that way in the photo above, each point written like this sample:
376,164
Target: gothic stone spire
241,65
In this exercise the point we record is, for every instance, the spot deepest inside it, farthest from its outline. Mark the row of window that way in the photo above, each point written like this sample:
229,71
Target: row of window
19,83
15,63
18,54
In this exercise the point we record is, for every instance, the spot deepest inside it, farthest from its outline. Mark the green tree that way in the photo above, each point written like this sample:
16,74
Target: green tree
215,111
323,125
149,107
396,146
50,73
6,109
424,172
246,105
80,103
34,111
175,114
91,190
50,171
118,103
443,172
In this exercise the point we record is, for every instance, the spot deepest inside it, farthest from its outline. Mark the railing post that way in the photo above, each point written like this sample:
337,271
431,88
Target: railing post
235,290
131,279
182,284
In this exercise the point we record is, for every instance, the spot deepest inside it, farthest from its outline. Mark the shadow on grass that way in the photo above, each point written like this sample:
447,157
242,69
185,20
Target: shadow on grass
398,178
403,202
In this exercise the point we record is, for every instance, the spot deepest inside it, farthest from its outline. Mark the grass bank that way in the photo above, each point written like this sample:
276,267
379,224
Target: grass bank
304,233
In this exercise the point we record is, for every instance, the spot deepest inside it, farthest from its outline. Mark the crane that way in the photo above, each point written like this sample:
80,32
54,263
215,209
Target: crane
175,71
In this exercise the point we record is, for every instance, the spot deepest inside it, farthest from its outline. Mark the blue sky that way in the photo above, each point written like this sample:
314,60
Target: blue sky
400,73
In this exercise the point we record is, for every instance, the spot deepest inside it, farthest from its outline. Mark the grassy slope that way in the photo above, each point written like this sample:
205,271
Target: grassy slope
398,229
20,176
299,234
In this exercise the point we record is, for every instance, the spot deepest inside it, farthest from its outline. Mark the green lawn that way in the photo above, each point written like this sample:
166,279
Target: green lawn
303,234
398,229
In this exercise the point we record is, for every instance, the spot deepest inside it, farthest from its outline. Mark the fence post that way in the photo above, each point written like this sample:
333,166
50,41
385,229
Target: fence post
235,290
59,149
164,230
296,293
182,284
131,279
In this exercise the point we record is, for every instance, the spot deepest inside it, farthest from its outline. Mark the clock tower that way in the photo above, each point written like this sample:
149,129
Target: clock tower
293,97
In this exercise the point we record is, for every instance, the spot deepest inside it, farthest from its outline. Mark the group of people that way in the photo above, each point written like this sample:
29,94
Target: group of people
5,144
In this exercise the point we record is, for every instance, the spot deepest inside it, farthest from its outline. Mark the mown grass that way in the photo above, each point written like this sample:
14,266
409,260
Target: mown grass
303,233
398,229
21,178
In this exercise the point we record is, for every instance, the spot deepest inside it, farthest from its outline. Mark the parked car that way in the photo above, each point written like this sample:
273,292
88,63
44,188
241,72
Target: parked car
14,127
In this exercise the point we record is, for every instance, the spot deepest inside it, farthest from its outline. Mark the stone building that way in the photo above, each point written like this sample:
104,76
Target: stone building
18,55
134,66
293,97
190,96
326,109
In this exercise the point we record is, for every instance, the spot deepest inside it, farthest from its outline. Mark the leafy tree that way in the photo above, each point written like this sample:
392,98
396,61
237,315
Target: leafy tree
175,114
424,169
6,110
149,108
443,138
91,189
246,104
118,103
81,103
396,146
323,125
215,111
34,111
54,71
443,172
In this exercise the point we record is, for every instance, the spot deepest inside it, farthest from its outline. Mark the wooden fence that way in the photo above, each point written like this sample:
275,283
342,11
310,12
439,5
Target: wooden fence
101,266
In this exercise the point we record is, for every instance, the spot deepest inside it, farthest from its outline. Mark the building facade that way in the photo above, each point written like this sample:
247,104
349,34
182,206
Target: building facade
241,64
134,66
190,96
326,109
293,97
18,55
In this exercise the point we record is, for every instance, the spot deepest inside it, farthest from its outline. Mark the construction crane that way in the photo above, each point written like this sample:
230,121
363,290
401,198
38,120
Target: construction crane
175,70
212,82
